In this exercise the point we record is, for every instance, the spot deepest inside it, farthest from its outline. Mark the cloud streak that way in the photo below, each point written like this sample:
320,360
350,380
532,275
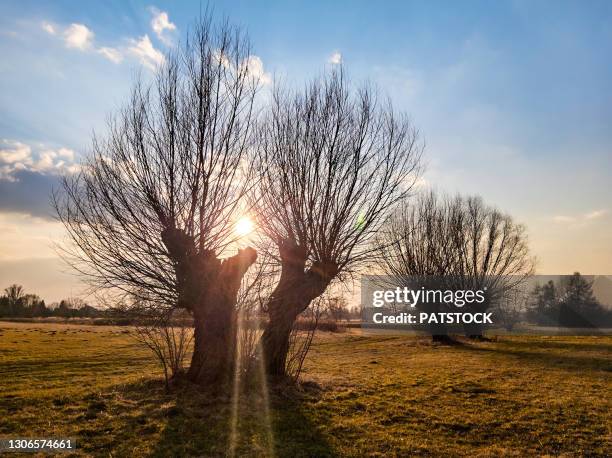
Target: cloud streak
580,220
28,194
49,28
161,25
28,174
81,38
596,214
146,53
112,54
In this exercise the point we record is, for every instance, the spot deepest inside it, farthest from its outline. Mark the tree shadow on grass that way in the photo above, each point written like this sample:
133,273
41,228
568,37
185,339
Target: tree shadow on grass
279,424
538,355
188,422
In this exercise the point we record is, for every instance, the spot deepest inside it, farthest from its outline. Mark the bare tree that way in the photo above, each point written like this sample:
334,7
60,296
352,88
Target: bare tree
333,161
153,208
169,337
14,293
254,291
458,242
510,307
336,308
302,335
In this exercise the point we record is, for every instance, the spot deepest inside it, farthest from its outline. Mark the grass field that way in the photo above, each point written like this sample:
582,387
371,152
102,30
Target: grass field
361,396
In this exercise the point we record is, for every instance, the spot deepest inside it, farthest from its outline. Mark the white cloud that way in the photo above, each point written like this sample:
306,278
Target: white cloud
67,153
78,36
335,58
112,54
582,219
160,23
16,156
563,219
14,152
252,64
596,214
49,28
255,68
147,54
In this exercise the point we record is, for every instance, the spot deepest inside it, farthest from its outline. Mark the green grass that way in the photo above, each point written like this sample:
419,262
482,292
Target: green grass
361,396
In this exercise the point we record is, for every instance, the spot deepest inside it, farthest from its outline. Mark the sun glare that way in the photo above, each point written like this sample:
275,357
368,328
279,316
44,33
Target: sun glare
244,226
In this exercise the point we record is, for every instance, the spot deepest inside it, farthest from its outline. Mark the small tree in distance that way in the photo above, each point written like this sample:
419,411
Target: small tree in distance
14,293
510,307
457,240
337,308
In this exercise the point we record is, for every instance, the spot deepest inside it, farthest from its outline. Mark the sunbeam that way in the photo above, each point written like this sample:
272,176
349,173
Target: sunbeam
241,327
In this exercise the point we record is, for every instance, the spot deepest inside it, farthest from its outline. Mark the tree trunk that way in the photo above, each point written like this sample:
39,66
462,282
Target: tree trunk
209,287
438,331
443,339
213,359
275,339
214,342
296,289
475,331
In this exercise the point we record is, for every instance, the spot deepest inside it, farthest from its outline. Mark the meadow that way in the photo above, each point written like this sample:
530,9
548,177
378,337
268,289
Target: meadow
360,395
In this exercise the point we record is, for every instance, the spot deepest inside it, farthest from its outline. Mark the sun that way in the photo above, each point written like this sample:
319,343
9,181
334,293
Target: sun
244,226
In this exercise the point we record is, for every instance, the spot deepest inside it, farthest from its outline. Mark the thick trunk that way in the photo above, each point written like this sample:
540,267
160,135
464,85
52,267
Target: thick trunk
296,289
275,339
209,287
438,331
443,339
473,331
214,342
213,359
199,347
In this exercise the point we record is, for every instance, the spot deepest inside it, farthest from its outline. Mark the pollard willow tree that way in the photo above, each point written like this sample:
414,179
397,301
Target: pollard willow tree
153,208
458,242
332,162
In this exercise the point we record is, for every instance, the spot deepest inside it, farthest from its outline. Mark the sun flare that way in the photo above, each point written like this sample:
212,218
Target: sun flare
244,226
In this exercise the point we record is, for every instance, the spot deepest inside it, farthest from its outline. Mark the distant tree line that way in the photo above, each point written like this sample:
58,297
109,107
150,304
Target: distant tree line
569,302
15,303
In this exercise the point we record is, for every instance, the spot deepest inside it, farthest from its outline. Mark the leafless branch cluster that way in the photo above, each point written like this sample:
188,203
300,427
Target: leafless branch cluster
510,307
174,159
169,337
155,204
461,240
301,337
333,161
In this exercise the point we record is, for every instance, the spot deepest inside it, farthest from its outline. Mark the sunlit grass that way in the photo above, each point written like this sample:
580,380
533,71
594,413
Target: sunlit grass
377,395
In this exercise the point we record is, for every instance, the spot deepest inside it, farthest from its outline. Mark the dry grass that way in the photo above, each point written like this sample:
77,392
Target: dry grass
363,396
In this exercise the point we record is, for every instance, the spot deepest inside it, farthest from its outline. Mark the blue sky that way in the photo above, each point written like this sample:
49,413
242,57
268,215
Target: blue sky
513,100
